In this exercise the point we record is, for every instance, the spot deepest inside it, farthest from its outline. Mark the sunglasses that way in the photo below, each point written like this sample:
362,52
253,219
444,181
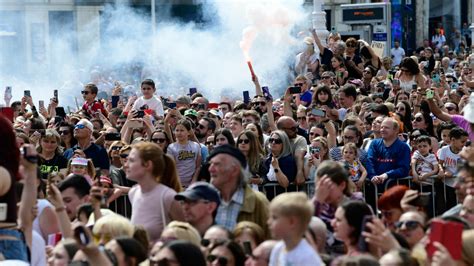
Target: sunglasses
158,140
124,156
314,134
409,225
351,45
325,77
299,84
301,118
116,148
401,108
200,126
221,260
418,119
258,103
80,126
244,141
450,108
64,132
275,141
209,143
85,92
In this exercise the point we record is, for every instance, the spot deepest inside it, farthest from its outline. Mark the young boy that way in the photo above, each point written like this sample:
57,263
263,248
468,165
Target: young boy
290,214
448,160
149,101
91,106
423,163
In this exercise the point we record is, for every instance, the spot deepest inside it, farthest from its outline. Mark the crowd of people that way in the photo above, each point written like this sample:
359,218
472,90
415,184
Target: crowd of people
363,161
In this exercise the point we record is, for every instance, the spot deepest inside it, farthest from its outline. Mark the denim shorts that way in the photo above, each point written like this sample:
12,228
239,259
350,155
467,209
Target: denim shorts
13,249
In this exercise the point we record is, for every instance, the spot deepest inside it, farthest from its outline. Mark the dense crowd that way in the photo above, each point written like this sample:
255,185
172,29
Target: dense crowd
364,160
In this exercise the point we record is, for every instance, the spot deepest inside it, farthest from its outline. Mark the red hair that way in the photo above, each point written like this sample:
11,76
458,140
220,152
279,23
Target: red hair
391,198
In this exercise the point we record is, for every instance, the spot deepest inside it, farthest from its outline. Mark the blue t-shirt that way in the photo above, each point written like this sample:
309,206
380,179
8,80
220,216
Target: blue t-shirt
306,96
393,160
96,153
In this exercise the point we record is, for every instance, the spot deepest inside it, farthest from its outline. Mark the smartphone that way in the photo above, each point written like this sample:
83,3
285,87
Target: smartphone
429,94
414,87
422,200
27,93
113,136
8,91
54,239
192,91
55,93
436,78
449,234
60,112
140,114
41,104
201,106
315,150
454,86
246,97
3,211
247,248
295,90
396,82
362,244
318,112
266,93
81,235
7,112
171,105
135,124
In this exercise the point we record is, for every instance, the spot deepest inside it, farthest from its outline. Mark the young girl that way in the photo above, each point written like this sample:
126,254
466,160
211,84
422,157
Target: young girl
82,166
337,63
322,99
186,153
356,170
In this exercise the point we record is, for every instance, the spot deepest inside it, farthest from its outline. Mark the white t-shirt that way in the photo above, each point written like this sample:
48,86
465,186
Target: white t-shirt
302,255
313,58
424,164
185,157
38,250
153,103
450,163
397,55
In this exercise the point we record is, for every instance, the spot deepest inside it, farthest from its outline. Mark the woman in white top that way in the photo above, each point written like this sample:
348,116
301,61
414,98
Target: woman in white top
153,204
410,75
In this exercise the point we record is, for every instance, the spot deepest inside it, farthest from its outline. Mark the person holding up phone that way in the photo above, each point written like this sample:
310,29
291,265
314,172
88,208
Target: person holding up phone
149,101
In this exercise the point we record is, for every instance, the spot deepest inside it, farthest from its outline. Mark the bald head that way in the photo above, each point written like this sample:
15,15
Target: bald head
289,125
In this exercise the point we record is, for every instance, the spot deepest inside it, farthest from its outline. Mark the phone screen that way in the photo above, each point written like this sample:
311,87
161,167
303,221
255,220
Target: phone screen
318,112
266,93
192,91
27,93
295,90
362,244
246,97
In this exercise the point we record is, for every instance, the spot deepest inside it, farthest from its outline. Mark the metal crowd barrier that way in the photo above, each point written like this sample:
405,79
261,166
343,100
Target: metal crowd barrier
271,190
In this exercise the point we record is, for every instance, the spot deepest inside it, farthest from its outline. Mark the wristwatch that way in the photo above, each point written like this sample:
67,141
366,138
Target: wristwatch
277,170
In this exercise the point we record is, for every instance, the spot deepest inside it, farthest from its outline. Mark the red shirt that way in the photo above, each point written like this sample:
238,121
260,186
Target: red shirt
94,107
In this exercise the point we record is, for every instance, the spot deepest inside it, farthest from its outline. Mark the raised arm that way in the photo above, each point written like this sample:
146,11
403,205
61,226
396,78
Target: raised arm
318,41
434,108
54,197
271,118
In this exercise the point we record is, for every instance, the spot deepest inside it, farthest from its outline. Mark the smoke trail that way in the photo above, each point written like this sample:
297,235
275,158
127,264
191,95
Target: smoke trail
181,55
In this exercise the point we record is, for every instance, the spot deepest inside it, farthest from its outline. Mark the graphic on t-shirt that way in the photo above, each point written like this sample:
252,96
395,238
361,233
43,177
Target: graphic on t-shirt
185,155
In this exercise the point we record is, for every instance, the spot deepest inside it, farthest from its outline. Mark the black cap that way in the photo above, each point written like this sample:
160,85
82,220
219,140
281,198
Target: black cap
230,150
199,190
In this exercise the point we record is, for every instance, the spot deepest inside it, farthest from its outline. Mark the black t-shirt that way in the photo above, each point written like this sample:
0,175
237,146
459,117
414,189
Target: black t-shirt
57,163
122,204
353,73
326,58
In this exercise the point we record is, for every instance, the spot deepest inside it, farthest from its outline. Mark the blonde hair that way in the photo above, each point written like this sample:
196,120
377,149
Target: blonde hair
185,231
294,204
468,246
164,167
256,231
351,146
51,134
115,225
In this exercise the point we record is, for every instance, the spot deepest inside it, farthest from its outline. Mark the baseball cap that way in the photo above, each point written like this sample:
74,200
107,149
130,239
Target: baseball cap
229,150
199,190
190,112
469,109
79,161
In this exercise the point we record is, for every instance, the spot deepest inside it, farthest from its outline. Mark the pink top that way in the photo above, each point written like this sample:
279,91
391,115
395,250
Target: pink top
146,208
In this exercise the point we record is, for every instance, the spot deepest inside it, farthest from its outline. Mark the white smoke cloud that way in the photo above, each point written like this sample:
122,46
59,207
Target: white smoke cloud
179,56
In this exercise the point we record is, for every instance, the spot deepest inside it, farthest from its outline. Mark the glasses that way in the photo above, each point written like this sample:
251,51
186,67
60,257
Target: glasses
116,148
299,84
418,119
366,71
314,134
209,143
301,118
159,140
401,108
325,77
409,225
275,141
85,92
244,141
124,156
64,132
80,126
450,108
221,260
200,126
163,262
258,103
387,214
349,137
351,45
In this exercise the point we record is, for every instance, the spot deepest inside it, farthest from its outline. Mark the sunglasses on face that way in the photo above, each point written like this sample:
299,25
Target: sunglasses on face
275,141
244,141
299,84
314,134
85,92
258,103
80,126
301,118
209,143
418,119
450,108
124,156
221,260
325,77
64,132
409,225
116,148
159,140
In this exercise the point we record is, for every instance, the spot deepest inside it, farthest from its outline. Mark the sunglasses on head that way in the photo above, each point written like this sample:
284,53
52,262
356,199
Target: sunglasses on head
159,140
275,141
221,260
244,141
410,225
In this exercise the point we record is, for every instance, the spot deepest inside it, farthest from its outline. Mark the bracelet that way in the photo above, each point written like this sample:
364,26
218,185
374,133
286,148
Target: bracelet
60,209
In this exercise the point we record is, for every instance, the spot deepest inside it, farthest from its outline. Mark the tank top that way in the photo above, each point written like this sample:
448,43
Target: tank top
407,85
42,204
